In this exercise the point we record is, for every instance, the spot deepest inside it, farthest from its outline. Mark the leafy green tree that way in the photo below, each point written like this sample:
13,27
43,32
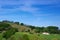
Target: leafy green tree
32,27
6,21
52,29
17,23
37,29
22,24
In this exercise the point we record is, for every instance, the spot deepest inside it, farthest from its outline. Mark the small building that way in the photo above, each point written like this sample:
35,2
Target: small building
45,33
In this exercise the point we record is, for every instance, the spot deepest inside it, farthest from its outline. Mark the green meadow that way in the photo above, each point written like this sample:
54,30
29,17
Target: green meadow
28,36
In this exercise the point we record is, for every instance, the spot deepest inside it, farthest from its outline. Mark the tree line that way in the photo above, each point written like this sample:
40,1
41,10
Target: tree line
49,29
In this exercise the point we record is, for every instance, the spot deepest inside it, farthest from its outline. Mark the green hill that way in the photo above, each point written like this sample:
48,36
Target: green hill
19,31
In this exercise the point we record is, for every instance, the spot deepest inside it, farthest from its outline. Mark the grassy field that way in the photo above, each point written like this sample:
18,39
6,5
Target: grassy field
28,36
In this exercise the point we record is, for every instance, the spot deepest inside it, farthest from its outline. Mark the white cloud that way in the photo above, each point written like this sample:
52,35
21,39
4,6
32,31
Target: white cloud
26,5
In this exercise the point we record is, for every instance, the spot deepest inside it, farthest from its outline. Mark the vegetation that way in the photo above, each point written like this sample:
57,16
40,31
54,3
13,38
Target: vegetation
10,30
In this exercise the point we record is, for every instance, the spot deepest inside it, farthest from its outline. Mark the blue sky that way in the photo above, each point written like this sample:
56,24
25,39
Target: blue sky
31,12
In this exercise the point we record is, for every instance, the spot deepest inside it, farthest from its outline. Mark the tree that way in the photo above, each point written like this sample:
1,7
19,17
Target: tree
6,21
37,29
22,24
32,27
40,29
17,23
52,29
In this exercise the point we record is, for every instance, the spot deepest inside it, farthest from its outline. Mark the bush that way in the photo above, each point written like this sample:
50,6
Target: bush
4,26
9,33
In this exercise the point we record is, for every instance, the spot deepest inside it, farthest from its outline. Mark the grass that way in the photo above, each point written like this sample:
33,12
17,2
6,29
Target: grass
27,36
1,37
50,37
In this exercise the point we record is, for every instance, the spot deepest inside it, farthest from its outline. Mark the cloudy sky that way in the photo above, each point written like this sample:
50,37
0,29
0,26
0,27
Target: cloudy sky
32,12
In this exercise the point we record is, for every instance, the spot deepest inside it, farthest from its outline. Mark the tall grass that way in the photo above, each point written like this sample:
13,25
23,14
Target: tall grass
27,36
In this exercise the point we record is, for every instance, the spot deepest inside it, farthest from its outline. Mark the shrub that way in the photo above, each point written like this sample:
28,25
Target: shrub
9,33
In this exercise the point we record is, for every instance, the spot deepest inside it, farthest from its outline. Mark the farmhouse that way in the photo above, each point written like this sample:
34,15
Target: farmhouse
45,33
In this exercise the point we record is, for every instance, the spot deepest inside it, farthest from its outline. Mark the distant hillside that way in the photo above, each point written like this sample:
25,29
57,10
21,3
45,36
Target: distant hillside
10,30
21,27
